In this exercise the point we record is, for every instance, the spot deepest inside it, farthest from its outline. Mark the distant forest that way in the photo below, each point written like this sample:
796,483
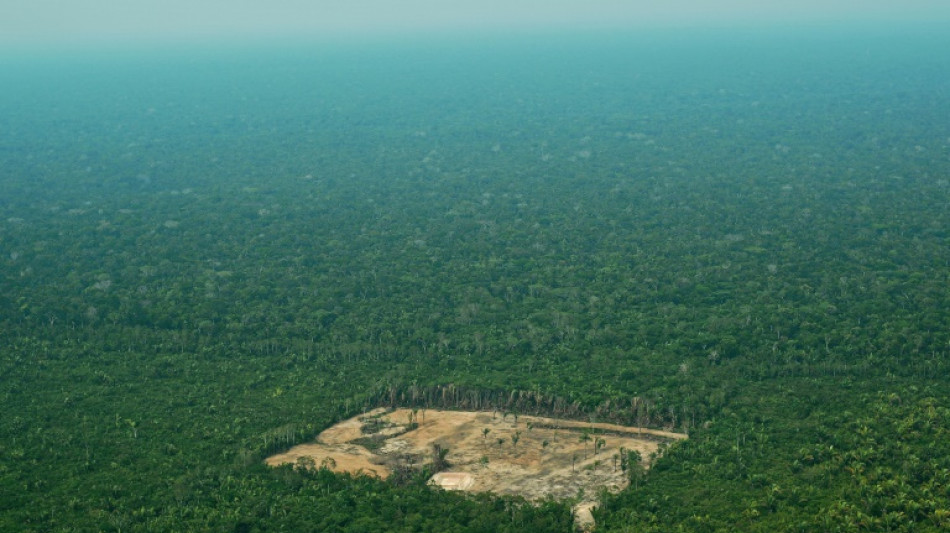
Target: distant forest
192,280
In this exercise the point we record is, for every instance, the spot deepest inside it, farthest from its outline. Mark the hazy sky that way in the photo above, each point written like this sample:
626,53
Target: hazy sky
39,21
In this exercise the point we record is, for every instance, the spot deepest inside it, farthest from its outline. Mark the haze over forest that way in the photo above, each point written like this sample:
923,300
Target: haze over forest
226,227
64,22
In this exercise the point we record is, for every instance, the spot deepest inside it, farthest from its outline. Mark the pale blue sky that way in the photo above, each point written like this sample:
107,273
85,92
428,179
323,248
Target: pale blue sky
45,21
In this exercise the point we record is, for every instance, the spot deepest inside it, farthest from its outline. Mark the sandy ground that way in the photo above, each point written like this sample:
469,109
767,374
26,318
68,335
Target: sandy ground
551,458
583,516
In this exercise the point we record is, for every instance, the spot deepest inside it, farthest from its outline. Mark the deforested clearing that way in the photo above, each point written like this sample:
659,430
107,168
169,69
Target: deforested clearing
531,456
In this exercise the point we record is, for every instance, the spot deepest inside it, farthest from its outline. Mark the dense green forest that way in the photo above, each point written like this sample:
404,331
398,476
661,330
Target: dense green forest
197,271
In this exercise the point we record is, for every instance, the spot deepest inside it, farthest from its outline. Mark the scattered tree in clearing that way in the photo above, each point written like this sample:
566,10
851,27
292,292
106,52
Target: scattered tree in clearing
585,437
598,444
305,462
438,457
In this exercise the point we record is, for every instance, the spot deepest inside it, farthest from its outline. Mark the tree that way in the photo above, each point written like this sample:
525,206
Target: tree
328,463
438,457
305,462
585,438
634,467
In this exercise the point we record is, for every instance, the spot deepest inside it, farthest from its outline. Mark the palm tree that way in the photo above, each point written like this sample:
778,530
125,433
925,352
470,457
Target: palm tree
585,437
438,457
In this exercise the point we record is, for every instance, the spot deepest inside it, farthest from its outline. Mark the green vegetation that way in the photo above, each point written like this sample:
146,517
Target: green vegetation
185,292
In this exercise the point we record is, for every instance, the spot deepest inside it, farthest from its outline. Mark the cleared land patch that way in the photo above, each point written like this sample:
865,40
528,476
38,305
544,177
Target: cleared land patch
531,456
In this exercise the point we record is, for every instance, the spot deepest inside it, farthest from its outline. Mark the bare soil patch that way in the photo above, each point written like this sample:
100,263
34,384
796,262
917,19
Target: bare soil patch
531,456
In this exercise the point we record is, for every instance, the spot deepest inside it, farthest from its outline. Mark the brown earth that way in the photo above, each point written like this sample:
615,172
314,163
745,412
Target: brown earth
549,459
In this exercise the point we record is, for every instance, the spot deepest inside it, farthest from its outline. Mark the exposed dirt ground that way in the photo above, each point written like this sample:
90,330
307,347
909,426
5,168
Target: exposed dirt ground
530,456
